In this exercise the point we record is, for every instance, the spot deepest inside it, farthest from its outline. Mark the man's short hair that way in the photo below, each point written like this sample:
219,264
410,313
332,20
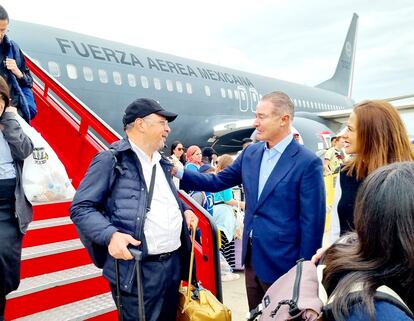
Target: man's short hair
281,102
3,14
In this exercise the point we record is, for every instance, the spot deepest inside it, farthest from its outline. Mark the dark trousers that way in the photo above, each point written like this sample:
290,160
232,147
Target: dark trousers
161,281
2,305
10,242
255,288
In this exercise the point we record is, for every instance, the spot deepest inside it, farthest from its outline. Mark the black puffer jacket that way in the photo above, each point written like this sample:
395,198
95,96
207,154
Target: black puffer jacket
106,202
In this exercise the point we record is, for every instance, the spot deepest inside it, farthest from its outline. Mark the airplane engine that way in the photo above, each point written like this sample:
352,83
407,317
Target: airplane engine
314,134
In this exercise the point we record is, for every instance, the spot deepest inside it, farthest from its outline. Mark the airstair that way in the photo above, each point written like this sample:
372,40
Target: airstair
58,280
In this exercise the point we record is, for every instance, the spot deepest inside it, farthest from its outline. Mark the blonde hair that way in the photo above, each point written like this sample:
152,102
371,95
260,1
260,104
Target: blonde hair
224,161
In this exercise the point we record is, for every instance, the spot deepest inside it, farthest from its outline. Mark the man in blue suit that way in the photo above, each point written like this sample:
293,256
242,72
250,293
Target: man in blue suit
285,196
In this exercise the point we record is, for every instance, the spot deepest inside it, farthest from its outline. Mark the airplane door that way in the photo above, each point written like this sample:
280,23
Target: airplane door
254,97
243,99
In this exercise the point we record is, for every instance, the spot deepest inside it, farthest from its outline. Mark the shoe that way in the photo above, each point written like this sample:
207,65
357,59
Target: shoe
229,277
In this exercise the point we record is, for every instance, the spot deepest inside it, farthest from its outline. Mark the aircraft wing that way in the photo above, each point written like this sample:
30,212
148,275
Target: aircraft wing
404,104
340,116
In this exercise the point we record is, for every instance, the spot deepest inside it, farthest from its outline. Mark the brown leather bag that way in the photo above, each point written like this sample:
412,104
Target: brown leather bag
199,304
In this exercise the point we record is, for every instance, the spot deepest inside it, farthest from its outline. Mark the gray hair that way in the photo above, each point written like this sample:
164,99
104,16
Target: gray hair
281,102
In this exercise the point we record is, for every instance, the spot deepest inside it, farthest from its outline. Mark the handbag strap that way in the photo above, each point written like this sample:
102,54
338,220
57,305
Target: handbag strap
190,274
151,188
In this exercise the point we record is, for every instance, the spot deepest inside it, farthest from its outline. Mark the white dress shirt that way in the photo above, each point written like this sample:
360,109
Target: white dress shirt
163,222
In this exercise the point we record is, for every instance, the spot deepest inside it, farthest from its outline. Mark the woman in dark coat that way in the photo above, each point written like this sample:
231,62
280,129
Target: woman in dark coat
15,210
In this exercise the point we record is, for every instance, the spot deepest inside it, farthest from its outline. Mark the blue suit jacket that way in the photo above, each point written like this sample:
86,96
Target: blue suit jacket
288,219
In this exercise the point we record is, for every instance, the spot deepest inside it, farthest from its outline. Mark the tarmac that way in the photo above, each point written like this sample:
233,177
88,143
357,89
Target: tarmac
234,297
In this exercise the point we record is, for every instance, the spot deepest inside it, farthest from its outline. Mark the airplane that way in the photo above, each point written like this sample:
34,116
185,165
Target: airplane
216,105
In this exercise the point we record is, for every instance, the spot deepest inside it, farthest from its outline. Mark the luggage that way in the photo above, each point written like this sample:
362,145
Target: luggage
141,309
197,303
294,296
238,244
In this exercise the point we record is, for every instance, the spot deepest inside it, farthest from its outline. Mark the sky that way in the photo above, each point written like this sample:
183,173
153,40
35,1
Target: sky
294,40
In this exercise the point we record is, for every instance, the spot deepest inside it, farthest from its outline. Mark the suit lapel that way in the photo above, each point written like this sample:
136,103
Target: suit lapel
282,168
253,170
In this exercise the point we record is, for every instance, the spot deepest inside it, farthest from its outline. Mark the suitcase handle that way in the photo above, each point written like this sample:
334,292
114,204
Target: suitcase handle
190,274
137,254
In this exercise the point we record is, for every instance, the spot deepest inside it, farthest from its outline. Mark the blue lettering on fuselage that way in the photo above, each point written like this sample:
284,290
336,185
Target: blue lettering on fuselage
87,50
98,53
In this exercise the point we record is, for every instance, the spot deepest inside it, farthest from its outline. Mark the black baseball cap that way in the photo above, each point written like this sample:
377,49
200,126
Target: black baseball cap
142,107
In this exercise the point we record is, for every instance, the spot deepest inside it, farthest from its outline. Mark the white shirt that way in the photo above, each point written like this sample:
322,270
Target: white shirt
163,223
176,162
7,169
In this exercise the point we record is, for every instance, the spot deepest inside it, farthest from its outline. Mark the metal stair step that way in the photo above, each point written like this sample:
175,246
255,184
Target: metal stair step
80,310
50,249
51,222
51,280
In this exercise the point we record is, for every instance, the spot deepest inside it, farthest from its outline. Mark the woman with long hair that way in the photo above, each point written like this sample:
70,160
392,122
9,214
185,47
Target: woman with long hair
15,210
375,137
383,253
177,157
177,152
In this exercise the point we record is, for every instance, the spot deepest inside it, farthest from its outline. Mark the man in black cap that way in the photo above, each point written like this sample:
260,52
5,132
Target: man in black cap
115,208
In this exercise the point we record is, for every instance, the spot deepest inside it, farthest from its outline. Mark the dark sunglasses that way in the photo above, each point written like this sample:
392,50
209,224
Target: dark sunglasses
180,148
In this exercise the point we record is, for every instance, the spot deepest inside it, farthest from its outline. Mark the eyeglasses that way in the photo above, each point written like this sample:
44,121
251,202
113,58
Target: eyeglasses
163,123
180,148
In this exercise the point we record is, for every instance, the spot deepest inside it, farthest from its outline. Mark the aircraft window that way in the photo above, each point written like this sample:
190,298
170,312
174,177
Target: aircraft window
207,91
179,86
144,82
54,68
243,95
189,88
236,95
88,73
223,92
117,78
72,71
132,82
230,93
103,76
169,84
157,83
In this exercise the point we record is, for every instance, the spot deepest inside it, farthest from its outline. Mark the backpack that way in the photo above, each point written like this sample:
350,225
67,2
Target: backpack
98,253
26,99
